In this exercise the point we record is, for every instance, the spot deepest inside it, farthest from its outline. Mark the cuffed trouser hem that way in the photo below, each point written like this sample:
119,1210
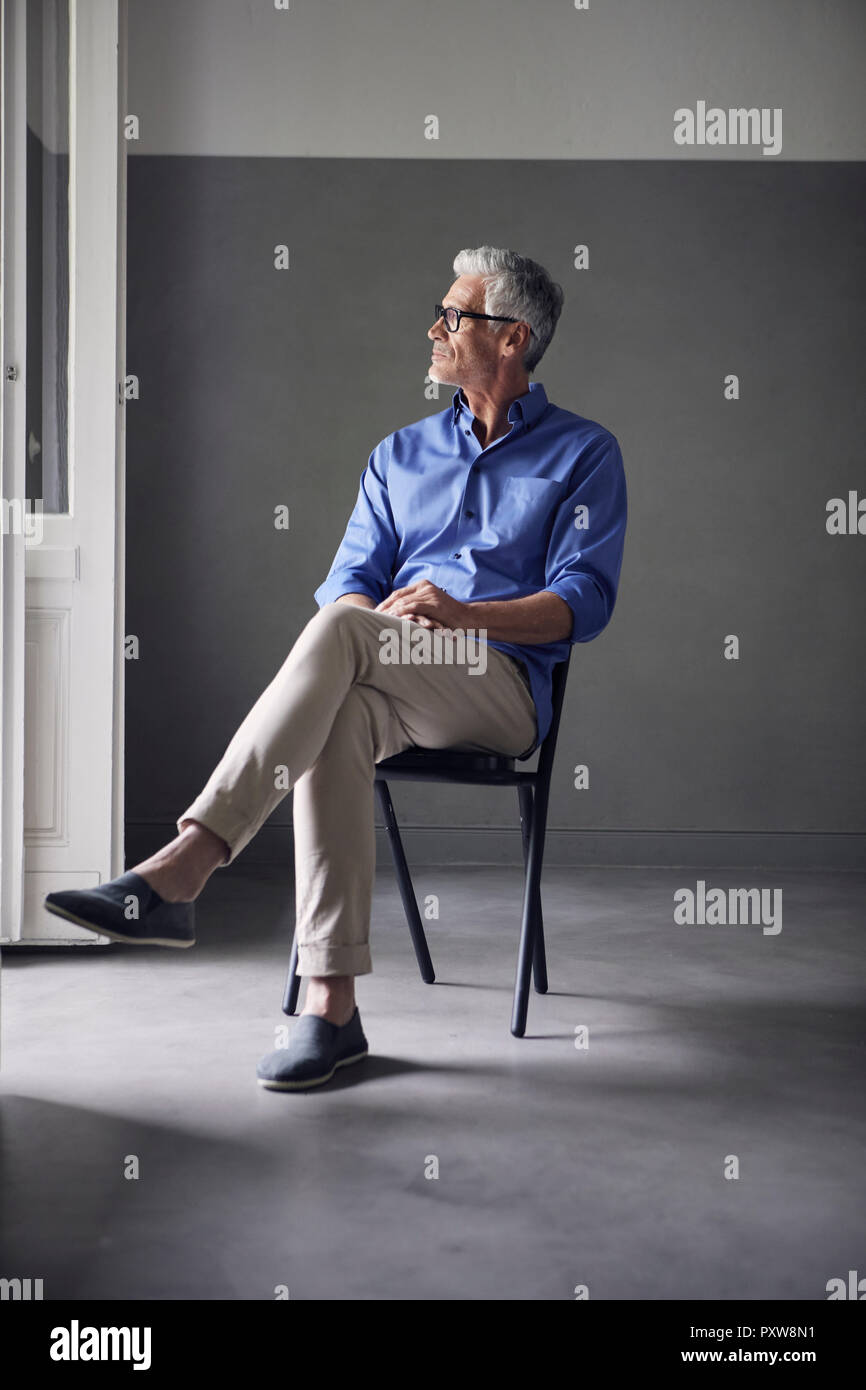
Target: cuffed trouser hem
334,960
205,812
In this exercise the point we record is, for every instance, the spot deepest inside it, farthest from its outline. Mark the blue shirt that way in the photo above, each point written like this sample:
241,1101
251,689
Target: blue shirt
541,508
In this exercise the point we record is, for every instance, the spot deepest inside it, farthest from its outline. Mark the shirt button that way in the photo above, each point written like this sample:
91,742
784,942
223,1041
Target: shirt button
467,431
470,514
457,556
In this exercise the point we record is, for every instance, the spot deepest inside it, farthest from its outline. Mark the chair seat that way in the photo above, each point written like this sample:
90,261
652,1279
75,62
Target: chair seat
445,762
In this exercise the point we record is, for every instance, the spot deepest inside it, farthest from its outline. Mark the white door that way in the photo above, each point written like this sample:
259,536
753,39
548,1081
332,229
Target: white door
63,331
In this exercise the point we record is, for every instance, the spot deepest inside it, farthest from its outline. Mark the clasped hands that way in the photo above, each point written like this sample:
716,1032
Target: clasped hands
422,602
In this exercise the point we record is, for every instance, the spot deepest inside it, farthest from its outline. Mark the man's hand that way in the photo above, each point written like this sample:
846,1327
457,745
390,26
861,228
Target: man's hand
422,602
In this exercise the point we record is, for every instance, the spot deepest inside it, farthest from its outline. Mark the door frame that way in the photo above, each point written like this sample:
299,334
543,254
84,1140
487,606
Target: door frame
13,338
38,576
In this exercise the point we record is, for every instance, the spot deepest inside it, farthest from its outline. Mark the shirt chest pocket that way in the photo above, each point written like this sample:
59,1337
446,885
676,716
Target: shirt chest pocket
524,507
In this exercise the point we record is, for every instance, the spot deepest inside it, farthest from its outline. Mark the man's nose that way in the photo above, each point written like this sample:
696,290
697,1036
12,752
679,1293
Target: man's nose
438,329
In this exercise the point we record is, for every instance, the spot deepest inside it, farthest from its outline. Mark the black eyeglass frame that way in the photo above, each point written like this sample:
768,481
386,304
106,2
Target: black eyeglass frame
441,312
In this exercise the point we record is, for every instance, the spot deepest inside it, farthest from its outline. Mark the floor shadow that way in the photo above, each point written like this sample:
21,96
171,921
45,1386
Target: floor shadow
70,1216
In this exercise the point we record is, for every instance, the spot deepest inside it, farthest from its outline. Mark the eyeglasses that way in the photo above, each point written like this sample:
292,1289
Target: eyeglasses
452,317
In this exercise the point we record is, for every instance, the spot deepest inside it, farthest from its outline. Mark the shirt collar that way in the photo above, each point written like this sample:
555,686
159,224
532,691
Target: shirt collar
527,408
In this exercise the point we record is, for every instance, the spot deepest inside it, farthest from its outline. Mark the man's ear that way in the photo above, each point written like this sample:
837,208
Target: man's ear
518,338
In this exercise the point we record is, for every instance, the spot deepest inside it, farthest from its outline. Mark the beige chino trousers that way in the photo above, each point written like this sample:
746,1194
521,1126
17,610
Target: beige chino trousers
334,709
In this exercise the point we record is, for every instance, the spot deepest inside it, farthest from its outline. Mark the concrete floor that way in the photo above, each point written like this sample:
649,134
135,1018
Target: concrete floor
557,1166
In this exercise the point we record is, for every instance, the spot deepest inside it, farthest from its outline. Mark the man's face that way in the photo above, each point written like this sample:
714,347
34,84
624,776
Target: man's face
469,357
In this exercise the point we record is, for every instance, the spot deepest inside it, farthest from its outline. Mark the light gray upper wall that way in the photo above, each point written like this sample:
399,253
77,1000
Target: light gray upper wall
507,79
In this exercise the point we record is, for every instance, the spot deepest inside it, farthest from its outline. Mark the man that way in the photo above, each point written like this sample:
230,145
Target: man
493,528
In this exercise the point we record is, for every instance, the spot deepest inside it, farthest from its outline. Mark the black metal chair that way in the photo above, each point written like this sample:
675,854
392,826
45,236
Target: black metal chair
486,769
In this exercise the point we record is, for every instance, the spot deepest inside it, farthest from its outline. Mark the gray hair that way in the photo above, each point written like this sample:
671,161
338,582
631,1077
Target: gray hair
518,288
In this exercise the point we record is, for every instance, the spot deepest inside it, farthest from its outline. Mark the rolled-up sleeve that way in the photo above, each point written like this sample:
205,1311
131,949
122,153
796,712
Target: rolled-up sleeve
364,562
584,556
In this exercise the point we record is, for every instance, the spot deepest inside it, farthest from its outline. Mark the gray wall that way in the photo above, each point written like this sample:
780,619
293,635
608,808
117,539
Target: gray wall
261,387
508,79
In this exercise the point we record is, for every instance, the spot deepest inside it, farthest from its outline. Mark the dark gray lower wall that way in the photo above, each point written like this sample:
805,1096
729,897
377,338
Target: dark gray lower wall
261,387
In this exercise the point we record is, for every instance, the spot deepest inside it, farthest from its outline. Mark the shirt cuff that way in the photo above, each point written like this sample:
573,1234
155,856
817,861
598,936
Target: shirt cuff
338,584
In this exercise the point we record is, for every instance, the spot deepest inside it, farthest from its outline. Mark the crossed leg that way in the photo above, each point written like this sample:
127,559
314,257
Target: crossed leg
334,709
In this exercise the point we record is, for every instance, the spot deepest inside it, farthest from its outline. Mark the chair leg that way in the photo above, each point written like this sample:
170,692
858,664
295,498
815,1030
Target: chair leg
539,957
404,881
531,911
293,981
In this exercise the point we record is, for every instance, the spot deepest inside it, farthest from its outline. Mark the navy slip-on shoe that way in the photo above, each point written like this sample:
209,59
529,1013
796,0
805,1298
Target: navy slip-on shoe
316,1049
126,909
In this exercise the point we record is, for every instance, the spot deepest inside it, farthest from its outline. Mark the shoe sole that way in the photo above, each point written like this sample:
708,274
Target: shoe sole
116,936
314,1081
